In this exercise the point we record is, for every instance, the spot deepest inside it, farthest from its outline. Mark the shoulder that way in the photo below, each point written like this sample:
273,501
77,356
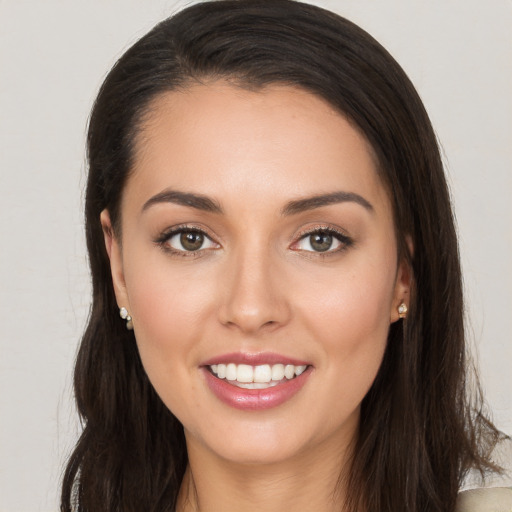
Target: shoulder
494,493
502,456
497,499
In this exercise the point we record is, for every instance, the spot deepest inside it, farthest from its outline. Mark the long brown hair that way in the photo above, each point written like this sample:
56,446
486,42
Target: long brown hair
419,432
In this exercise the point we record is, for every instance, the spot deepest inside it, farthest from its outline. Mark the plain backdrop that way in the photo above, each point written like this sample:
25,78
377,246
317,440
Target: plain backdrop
53,57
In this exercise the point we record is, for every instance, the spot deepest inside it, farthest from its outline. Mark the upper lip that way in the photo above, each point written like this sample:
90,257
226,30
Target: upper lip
254,359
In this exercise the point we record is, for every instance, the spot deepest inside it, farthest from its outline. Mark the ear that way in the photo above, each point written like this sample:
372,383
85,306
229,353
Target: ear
402,291
113,247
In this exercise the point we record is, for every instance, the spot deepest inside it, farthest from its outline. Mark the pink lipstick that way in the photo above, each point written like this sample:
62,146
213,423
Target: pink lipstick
255,381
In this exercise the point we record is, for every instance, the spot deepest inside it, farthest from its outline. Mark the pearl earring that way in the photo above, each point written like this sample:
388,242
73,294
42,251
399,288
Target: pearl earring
402,310
123,313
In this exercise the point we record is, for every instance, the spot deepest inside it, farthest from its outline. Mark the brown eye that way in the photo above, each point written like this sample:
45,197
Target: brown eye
191,240
186,240
322,240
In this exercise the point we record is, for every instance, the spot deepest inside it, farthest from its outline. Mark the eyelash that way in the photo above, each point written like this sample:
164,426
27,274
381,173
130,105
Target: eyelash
166,236
344,240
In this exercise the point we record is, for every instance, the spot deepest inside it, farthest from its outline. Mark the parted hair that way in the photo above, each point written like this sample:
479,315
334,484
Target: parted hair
420,430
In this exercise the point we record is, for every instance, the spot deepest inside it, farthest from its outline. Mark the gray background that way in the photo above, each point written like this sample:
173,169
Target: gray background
53,55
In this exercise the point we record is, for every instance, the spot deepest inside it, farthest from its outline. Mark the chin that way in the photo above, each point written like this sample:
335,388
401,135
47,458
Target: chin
258,452
271,441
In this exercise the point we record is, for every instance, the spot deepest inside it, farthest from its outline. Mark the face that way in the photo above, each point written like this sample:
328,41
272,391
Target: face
259,264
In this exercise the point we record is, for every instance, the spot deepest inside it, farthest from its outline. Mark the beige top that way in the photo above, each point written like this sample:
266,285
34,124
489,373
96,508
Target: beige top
493,495
497,499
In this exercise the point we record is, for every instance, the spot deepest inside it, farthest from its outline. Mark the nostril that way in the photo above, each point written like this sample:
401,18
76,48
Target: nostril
252,302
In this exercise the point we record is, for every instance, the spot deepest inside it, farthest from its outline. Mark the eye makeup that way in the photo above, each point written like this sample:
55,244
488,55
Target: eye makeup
188,240
323,240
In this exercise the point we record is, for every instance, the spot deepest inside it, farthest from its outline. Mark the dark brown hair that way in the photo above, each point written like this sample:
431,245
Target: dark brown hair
419,433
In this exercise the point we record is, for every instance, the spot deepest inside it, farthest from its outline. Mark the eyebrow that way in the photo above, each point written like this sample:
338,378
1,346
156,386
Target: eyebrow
204,203
310,203
197,201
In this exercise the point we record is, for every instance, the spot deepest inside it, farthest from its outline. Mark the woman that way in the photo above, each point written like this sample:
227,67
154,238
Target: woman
267,213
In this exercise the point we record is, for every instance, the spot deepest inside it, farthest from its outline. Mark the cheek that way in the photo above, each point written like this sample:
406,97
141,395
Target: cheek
352,303
168,310
350,318
164,294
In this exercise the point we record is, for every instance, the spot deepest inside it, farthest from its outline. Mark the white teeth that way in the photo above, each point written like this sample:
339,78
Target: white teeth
263,373
278,372
231,371
256,385
244,373
256,377
289,371
299,370
221,371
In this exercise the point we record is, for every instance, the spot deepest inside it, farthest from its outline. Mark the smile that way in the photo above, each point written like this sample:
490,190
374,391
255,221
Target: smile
253,382
256,377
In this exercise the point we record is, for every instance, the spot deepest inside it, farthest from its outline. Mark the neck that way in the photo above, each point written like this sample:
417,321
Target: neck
311,481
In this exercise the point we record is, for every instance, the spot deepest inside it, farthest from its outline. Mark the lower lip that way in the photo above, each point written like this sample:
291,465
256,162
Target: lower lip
255,399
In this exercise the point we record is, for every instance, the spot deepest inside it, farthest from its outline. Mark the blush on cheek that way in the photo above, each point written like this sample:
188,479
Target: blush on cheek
166,298
355,324
167,314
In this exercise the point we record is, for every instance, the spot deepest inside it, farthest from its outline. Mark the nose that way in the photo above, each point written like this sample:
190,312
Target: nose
254,298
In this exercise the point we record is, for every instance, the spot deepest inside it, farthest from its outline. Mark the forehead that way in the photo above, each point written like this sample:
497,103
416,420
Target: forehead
278,142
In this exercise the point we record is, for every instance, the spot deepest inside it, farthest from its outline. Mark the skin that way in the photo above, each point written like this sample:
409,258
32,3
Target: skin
258,286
